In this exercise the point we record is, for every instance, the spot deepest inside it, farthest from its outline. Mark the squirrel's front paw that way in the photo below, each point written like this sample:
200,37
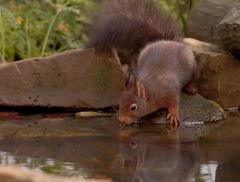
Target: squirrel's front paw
173,119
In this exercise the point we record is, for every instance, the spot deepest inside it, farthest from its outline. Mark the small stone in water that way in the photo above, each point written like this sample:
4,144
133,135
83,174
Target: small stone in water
92,114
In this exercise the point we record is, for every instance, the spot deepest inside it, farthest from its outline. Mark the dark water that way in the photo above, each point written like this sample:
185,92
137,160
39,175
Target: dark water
144,153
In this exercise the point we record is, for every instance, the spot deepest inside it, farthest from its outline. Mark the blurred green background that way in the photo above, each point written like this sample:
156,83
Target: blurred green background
37,28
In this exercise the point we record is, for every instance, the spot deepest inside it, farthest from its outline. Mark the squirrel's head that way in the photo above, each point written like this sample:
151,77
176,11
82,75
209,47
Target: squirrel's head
134,102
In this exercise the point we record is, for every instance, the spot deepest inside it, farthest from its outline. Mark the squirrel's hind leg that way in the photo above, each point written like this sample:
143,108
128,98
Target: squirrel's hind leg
190,89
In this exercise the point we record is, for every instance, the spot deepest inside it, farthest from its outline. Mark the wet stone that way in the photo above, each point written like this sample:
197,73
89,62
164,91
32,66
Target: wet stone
72,80
46,127
194,110
218,75
228,31
204,16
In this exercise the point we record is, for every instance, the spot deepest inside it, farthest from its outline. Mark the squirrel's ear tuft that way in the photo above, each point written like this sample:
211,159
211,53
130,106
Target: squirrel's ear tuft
129,82
126,70
127,75
141,91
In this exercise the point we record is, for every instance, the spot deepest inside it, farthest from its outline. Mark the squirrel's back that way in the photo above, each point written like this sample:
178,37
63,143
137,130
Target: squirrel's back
130,25
166,58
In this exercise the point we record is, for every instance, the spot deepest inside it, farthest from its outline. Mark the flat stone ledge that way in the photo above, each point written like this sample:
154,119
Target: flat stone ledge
73,79
218,75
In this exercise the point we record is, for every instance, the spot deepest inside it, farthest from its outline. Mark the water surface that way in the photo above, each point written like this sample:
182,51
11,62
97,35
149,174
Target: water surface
148,152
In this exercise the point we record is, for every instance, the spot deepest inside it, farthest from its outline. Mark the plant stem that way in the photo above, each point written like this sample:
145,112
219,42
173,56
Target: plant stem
50,30
29,51
2,33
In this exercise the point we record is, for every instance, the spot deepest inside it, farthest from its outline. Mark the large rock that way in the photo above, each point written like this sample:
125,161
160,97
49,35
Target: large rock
78,79
74,79
195,111
205,15
219,74
228,31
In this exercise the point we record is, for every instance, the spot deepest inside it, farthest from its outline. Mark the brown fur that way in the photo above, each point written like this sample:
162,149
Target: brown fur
160,65
164,68
129,25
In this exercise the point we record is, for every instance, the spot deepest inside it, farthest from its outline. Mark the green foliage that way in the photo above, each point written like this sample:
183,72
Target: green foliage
7,22
178,9
33,28
30,28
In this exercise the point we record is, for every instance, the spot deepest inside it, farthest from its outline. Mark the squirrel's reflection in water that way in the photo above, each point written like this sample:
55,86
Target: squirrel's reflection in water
157,156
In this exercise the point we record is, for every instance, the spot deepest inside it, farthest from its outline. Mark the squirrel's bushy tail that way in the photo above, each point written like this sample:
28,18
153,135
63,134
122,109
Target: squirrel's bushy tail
130,25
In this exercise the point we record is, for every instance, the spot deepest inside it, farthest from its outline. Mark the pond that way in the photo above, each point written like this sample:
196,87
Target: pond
95,148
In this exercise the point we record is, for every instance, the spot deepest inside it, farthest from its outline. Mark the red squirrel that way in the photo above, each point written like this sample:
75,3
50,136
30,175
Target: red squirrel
161,65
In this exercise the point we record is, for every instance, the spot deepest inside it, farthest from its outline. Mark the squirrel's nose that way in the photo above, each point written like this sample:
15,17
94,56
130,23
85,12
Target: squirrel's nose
122,120
125,120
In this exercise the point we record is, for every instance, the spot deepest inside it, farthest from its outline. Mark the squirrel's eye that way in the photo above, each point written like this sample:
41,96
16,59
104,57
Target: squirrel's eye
133,107
133,144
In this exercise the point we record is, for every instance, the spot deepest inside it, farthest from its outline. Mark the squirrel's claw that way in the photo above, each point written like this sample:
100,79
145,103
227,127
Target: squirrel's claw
190,90
173,119
193,91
